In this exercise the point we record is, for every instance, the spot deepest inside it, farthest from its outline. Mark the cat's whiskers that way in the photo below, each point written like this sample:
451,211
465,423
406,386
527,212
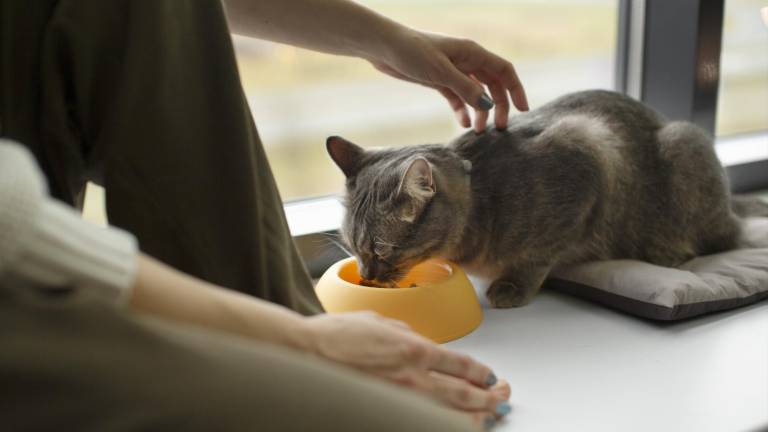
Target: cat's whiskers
379,241
329,238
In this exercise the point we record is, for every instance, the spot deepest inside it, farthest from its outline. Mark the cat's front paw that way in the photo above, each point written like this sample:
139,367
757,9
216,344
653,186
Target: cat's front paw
505,295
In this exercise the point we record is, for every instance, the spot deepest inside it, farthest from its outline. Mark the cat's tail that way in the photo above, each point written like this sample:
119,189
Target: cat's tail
748,206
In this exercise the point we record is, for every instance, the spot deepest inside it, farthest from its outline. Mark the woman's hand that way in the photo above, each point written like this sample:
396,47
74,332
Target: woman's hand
457,68
390,349
363,340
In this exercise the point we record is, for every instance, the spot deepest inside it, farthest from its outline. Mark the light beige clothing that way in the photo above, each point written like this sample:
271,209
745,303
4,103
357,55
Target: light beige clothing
47,242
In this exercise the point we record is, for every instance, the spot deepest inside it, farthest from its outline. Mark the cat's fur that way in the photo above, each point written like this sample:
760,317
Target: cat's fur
593,175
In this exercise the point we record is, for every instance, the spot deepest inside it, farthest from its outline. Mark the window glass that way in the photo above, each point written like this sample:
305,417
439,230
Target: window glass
298,98
743,98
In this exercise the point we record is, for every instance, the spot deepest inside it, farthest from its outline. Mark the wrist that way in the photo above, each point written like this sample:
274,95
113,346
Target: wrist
385,42
302,335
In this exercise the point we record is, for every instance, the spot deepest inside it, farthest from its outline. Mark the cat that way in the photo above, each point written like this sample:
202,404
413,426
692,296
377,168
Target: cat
593,175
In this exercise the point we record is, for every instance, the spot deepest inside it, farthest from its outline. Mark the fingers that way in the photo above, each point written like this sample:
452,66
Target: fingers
460,366
457,105
462,85
481,121
502,389
500,99
497,69
484,420
401,348
501,113
485,406
491,68
507,75
501,81
460,394
455,102
462,82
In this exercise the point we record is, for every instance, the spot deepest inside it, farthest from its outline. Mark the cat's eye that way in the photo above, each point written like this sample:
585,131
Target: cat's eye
382,249
383,253
384,260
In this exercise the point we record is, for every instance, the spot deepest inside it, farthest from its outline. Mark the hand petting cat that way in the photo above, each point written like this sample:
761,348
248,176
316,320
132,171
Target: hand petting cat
459,69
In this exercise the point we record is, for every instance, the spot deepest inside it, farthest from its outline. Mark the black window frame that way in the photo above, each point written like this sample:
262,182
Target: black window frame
668,56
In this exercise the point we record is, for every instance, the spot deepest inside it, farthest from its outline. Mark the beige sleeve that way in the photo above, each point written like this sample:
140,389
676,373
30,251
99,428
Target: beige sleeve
47,242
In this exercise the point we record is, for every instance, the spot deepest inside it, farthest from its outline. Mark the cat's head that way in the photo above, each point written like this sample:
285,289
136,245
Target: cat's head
403,206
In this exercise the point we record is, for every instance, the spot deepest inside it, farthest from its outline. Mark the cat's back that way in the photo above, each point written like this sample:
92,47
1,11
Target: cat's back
619,112
622,115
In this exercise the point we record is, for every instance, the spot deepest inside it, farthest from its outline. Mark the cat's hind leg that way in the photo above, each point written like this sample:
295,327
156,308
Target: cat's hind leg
575,155
698,211
517,286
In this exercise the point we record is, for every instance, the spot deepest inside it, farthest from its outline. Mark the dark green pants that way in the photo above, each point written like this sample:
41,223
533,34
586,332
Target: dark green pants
144,97
74,364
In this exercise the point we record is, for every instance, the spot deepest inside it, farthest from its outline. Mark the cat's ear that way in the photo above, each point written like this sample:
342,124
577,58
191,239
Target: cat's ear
346,154
417,186
417,181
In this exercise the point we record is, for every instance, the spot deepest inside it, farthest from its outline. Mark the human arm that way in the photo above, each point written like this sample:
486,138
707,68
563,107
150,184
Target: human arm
48,244
365,341
457,68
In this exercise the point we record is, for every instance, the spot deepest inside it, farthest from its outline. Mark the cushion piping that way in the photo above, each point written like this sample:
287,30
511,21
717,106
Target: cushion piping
650,310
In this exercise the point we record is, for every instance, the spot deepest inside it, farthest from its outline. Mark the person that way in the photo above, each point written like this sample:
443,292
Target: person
143,97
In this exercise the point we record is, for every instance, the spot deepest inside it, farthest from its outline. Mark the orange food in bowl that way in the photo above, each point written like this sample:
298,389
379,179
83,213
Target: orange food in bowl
435,298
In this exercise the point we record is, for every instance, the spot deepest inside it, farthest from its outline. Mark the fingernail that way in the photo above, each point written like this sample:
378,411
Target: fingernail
491,380
485,102
489,422
503,408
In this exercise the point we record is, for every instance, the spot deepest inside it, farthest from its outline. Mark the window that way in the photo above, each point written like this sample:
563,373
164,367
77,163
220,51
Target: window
743,97
298,97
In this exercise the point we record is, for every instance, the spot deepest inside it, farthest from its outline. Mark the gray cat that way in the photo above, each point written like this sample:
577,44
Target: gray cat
593,175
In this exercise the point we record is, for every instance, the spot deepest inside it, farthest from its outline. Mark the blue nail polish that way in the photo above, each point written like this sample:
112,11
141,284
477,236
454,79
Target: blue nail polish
489,423
491,380
485,102
503,408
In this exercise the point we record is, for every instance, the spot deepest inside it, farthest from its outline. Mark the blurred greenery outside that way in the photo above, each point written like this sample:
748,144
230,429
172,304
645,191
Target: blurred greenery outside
743,97
298,97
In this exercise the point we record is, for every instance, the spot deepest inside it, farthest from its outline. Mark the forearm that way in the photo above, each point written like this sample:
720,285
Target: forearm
162,291
333,26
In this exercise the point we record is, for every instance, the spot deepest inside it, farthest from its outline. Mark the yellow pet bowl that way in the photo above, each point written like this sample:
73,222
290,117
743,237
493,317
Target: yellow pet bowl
441,306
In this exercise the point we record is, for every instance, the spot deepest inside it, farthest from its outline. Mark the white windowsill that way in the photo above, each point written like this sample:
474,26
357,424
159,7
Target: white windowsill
314,215
741,149
320,214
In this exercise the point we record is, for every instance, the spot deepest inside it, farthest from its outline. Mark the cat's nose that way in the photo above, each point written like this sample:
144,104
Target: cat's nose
368,270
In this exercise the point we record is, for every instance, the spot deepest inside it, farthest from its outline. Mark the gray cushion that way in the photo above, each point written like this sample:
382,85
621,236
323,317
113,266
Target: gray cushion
704,284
